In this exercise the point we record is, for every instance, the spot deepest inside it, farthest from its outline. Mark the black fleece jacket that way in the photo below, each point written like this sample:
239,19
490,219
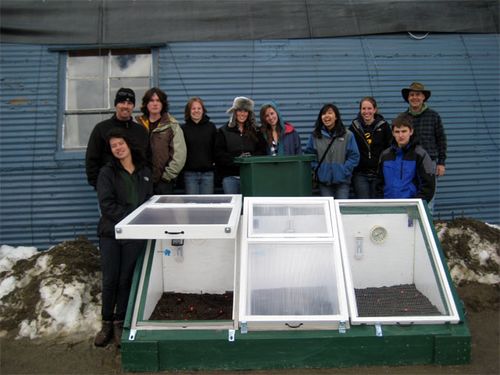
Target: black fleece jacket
112,195
98,150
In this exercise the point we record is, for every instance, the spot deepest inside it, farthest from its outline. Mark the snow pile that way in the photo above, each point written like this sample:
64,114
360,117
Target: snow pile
51,293
472,250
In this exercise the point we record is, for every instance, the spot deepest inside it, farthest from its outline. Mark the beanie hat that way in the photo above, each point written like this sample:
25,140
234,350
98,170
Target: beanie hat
241,103
123,95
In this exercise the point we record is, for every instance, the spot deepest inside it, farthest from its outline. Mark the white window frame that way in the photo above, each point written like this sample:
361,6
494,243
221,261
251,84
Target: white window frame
109,89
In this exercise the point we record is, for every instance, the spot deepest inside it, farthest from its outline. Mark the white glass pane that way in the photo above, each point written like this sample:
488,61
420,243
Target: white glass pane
92,67
291,279
87,94
130,65
77,129
184,215
193,199
289,218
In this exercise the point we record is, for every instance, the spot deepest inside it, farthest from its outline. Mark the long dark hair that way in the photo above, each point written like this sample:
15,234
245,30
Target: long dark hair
339,128
267,129
249,127
138,157
147,97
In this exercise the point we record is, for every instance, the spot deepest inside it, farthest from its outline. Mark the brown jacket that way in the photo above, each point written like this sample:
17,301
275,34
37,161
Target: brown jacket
168,147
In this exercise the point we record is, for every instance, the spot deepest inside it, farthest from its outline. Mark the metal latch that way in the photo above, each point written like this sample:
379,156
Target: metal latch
244,328
132,334
231,335
378,330
342,326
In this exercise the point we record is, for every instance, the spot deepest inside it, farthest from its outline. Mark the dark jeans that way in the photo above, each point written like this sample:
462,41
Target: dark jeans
365,185
118,258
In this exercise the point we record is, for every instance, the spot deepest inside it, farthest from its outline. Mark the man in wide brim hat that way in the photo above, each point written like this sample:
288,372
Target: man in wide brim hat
418,87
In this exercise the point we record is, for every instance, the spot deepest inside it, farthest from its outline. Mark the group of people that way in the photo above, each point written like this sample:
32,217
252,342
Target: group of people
128,160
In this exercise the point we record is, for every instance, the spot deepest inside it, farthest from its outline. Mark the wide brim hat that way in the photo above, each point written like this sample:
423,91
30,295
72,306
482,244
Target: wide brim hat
241,103
415,86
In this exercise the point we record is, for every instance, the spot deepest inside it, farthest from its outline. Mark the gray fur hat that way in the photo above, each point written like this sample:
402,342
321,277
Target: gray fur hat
241,103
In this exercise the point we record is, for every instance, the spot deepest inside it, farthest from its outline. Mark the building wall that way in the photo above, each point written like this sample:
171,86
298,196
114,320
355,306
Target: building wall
44,195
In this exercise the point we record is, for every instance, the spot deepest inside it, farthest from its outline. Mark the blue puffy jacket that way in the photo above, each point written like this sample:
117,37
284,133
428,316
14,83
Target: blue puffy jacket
406,172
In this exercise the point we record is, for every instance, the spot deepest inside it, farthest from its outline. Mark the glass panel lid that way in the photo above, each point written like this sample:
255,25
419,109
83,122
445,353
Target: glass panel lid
189,216
394,271
291,271
291,279
310,217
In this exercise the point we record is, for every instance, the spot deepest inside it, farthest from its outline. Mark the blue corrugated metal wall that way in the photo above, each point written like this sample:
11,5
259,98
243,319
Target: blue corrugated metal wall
45,199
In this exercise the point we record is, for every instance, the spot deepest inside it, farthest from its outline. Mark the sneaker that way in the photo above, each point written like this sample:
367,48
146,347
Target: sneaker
104,336
117,332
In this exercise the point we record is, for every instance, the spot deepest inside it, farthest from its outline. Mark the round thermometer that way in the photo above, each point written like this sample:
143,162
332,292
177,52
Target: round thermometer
378,234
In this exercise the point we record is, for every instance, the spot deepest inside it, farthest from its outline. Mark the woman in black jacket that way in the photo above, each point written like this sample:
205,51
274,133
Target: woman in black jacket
373,135
239,137
122,185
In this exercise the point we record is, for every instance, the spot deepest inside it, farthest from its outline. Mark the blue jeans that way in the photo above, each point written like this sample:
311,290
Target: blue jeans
365,185
231,185
118,258
199,182
337,191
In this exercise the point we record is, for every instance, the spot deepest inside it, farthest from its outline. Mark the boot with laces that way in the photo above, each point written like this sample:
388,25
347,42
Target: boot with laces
104,336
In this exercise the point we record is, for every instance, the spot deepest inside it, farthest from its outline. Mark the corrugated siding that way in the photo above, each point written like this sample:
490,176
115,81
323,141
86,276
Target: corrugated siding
301,75
45,199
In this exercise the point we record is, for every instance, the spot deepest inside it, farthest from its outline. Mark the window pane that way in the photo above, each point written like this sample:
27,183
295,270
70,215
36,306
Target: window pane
289,218
92,79
78,128
87,67
87,94
130,66
291,279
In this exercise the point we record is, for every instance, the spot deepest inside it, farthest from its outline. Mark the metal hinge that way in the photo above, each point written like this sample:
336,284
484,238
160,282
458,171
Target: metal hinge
342,326
133,333
231,335
378,330
243,328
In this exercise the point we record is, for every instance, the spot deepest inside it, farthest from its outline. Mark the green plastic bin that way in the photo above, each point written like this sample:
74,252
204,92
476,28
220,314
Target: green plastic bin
276,176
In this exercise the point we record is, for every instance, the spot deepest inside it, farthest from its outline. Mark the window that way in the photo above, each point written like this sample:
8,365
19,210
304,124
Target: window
92,79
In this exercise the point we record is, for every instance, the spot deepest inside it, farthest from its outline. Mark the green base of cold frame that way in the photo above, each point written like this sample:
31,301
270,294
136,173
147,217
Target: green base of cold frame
359,346
273,176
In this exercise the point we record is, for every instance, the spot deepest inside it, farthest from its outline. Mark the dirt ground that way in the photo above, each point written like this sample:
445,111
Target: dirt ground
55,357
188,306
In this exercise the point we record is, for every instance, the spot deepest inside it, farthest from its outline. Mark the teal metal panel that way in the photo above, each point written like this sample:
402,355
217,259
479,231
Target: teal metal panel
44,200
44,197
301,75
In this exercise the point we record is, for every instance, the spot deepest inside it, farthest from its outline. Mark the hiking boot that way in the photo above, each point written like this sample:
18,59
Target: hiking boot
117,332
105,334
